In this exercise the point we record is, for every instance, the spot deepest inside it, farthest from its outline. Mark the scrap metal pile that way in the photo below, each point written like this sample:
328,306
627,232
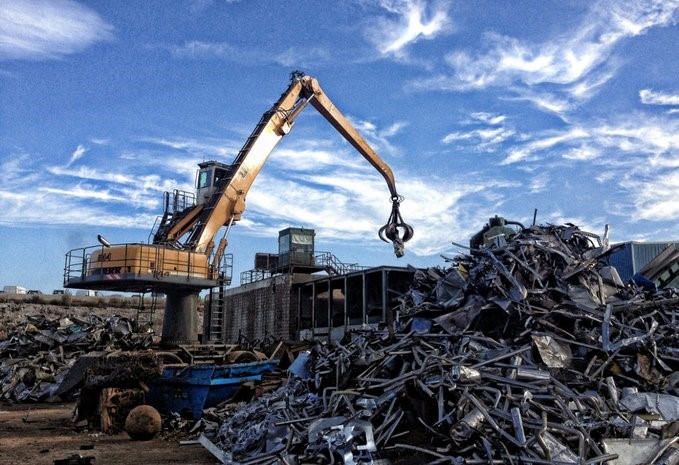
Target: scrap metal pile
38,354
533,352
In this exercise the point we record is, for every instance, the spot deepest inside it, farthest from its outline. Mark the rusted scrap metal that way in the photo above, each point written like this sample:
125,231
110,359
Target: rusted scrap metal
534,352
112,385
37,355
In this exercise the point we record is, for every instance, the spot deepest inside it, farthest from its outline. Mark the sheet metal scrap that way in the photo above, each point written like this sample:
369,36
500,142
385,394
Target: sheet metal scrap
534,353
36,357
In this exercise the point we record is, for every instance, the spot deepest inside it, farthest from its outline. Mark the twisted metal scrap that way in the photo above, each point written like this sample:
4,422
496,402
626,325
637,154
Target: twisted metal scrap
535,352
38,353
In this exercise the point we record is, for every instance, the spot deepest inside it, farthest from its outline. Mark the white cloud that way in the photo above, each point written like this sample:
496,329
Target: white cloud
77,154
48,29
15,165
539,183
394,129
654,142
201,49
486,138
42,207
589,85
289,57
409,21
572,66
582,153
655,199
302,57
529,150
305,156
84,192
199,148
489,118
654,138
651,97
92,174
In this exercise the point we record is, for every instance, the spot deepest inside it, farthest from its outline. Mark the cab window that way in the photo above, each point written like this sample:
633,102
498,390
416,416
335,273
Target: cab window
204,179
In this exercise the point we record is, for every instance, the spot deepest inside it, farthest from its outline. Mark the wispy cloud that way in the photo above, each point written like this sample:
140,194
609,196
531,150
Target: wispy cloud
651,97
77,154
307,155
355,205
655,141
84,192
304,177
378,137
201,49
654,199
48,29
408,21
43,207
537,146
489,118
225,51
203,149
634,155
486,138
582,153
574,64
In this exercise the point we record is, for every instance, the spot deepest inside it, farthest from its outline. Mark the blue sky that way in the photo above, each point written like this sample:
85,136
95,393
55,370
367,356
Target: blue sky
479,107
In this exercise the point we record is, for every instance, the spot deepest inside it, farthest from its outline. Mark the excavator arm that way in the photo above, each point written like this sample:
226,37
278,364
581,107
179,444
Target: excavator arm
181,269
228,201
183,256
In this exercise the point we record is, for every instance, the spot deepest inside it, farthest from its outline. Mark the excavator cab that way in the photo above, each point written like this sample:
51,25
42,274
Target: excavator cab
208,175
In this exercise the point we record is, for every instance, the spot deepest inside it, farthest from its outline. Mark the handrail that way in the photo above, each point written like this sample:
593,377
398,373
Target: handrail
325,260
79,264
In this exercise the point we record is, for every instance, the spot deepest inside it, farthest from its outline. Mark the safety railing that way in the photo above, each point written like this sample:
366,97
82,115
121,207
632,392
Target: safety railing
325,261
334,266
94,264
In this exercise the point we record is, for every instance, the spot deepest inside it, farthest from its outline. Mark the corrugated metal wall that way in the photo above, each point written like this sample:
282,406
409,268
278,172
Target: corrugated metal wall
258,310
635,255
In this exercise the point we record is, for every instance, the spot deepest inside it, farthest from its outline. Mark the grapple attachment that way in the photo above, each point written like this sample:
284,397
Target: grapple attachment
396,230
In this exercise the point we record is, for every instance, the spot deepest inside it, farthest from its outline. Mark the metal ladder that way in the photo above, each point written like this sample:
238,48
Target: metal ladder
145,315
215,313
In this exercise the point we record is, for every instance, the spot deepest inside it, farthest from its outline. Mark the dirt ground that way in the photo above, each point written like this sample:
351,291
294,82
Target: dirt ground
38,434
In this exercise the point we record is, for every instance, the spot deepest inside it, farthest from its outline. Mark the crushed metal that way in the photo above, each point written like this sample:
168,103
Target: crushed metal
35,359
530,351
533,351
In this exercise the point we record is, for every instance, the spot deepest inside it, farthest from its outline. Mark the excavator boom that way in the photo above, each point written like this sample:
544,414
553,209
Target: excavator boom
229,201
193,262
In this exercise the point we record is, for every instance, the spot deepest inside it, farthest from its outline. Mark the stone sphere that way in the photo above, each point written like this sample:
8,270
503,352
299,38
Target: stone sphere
143,423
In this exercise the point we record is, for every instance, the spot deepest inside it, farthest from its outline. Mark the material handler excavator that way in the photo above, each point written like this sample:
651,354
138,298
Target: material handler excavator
182,259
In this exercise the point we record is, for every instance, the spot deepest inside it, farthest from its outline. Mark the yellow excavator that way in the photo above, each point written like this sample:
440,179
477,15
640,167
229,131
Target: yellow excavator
182,259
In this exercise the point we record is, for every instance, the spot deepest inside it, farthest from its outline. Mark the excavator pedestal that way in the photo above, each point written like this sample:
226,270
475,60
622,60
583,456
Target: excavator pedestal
180,322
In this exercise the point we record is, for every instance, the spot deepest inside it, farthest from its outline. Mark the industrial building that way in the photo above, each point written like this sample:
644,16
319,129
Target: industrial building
301,294
631,257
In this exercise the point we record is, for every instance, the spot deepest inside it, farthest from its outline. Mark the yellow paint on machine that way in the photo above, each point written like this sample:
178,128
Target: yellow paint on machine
148,260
